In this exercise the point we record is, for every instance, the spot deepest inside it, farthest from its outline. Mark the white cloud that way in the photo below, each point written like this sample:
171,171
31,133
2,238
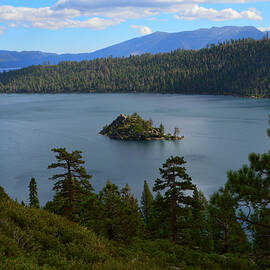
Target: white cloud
49,18
144,30
101,14
86,5
263,29
184,9
252,14
93,23
198,12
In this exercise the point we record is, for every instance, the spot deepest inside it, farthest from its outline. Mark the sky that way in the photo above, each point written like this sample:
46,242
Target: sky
74,26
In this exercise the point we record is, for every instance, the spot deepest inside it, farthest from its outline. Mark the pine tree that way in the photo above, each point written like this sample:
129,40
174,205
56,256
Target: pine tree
175,190
228,235
33,194
73,184
198,224
162,129
131,222
110,203
146,203
176,131
250,188
160,218
120,218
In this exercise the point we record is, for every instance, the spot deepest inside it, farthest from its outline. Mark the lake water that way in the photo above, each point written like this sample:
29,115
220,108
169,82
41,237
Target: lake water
219,133
8,69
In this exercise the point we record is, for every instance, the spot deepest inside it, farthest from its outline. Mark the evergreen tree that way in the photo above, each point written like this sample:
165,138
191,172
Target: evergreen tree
228,235
120,218
176,131
250,187
146,203
221,69
162,130
110,206
33,194
131,222
198,228
73,184
159,226
175,182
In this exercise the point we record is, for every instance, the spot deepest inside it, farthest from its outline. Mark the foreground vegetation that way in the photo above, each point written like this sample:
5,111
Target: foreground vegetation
178,228
230,68
36,239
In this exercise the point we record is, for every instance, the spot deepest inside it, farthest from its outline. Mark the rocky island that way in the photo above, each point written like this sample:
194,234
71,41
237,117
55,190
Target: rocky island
134,128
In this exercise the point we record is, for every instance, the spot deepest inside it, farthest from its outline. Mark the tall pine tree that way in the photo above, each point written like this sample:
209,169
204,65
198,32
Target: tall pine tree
176,183
73,183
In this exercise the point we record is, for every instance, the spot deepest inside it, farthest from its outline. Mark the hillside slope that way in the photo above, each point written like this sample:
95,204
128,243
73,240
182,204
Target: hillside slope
237,68
36,239
33,239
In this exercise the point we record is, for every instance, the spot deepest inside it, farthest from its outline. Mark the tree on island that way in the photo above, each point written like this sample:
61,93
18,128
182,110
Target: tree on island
33,194
176,131
133,127
73,183
162,129
151,121
176,183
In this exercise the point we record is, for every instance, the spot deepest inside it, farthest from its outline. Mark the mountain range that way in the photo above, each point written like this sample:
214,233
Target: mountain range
158,42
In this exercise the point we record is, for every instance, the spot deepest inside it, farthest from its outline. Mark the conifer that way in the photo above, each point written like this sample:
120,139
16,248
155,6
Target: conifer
175,182
33,194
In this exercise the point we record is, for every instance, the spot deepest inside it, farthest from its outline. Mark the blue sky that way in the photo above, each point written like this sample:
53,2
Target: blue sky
75,26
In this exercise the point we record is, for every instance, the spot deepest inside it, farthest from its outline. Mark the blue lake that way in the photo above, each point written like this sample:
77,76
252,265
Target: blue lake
219,133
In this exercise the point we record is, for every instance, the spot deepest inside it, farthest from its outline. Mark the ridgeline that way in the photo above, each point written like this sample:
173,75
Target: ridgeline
240,68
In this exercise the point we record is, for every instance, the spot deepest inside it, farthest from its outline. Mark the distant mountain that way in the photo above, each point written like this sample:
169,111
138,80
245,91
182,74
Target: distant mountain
153,43
166,42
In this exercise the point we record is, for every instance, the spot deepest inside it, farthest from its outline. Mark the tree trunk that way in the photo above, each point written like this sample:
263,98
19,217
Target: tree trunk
110,232
226,239
174,225
70,185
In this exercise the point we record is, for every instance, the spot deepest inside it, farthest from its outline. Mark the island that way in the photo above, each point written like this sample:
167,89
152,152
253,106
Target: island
134,128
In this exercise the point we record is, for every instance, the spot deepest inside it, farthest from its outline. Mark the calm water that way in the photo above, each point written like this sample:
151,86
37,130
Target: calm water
8,69
219,133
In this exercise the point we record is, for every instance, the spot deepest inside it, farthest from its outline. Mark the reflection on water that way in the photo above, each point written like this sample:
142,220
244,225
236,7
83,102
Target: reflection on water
219,133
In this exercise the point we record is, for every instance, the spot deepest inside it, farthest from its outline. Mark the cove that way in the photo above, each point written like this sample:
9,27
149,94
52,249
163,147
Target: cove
220,132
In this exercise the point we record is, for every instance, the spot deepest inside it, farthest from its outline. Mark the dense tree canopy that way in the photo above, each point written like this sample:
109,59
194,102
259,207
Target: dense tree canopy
234,68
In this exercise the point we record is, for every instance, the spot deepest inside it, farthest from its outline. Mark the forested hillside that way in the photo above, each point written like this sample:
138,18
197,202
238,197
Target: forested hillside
233,68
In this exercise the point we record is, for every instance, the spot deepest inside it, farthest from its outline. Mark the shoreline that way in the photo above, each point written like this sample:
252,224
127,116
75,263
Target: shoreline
134,92
172,138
